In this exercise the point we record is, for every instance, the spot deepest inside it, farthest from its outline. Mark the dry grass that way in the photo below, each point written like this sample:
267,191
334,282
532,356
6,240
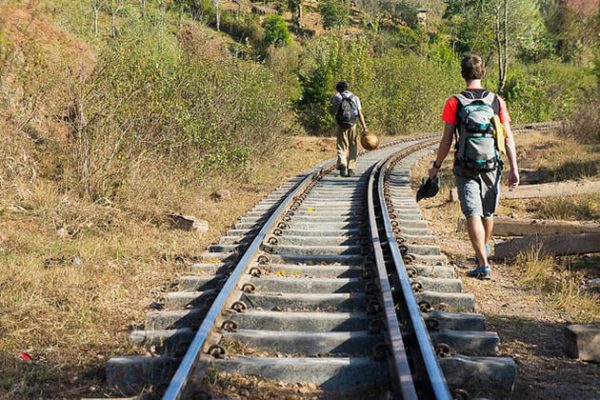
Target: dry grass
584,207
558,158
558,280
77,275
569,208
223,385
70,300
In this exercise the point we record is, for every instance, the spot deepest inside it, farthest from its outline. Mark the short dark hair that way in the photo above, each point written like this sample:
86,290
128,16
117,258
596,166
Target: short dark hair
472,67
341,86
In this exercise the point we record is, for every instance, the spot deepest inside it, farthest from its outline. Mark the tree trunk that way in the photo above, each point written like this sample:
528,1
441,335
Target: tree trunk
502,43
499,51
505,67
96,10
115,8
299,15
217,13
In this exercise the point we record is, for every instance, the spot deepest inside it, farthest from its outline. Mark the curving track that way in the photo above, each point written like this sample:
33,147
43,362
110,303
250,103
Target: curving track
334,282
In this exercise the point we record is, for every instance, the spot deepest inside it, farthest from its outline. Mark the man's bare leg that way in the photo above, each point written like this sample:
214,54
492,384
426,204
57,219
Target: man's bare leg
477,234
488,226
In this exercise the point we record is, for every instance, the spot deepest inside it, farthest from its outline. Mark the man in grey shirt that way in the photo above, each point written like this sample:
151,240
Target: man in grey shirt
346,115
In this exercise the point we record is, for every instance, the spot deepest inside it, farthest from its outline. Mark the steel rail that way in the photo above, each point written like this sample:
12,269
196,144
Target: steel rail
403,384
435,375
178,383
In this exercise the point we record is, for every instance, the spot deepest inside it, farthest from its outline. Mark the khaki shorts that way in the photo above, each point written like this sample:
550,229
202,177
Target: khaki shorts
479,193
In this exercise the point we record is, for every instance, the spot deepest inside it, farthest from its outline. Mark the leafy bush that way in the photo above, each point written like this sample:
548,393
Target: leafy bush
276,31
149,100
584,124
391,87
328,60
335,13
245,28
545,91
409,92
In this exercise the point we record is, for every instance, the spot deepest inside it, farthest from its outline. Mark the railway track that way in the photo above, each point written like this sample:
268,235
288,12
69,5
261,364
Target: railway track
329,281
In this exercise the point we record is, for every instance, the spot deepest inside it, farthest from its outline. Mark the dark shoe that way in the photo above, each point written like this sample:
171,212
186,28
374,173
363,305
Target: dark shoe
351,172
481,272
343,171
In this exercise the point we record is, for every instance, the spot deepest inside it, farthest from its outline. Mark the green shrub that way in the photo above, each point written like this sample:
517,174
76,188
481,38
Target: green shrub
148,99
246,28
400,92
276,31
409,92
545,91
584,123
328,60
335,13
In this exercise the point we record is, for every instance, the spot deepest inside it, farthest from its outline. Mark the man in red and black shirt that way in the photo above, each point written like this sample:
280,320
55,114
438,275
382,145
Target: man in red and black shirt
478,192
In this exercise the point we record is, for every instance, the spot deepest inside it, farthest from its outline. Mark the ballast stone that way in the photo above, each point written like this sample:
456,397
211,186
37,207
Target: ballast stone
188,223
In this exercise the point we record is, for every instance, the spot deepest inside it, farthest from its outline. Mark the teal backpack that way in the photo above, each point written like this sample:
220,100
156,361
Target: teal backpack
476,145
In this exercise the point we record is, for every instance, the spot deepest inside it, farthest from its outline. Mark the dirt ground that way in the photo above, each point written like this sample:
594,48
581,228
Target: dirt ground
530,325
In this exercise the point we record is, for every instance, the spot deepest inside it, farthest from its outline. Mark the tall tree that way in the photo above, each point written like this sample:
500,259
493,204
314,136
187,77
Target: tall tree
502,42
504,28
96,7
295,7
115,8
143,8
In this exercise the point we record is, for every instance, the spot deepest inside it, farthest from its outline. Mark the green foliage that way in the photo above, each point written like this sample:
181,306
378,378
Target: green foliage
246,28
335,13
571,32
545,91
148,98
283,62
411,40
473,25
403,10
197,9
409,92
329,60
584,123
276,31
440,50
400,92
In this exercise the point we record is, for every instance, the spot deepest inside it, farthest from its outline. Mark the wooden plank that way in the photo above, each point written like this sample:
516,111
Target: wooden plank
555,245
524,227
567,188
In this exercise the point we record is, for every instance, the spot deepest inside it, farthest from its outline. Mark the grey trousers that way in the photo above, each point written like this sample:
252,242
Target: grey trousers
478,193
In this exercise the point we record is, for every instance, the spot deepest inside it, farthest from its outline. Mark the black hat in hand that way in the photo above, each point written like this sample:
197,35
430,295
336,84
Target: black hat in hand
429,188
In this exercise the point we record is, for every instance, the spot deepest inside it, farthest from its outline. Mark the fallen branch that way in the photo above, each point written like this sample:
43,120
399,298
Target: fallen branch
555,245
